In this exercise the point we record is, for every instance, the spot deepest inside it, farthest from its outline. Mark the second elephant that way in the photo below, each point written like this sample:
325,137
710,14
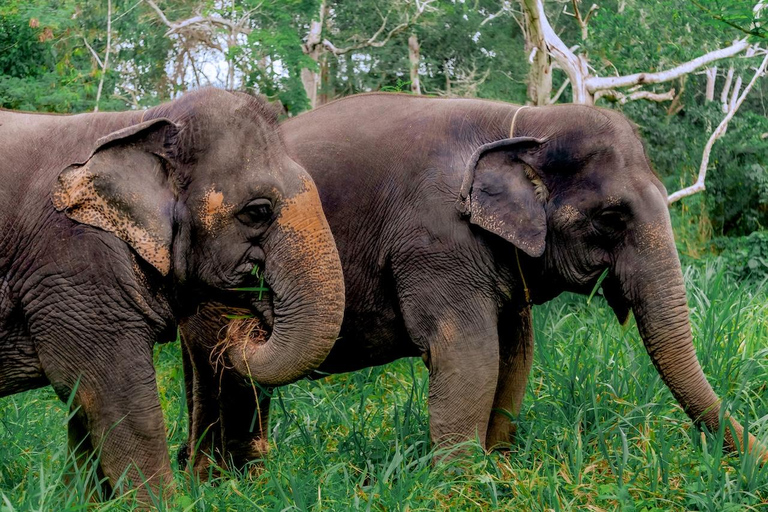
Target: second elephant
427,195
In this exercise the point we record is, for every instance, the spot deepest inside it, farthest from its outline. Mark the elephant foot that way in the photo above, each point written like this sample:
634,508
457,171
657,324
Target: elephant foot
501,435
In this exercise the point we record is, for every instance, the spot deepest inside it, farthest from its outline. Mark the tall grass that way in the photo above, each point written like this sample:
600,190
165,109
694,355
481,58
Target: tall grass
598,429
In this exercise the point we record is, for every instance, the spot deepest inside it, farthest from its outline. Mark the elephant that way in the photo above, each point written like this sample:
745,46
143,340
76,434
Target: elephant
452,218
117,226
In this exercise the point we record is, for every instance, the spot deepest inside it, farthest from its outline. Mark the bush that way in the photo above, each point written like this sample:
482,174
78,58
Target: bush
747,256
737,187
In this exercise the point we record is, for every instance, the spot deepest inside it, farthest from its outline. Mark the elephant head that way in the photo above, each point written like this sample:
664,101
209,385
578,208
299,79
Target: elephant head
574,191
203,191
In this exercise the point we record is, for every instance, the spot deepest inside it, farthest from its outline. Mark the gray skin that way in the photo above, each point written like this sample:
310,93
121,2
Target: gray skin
441,219
116,225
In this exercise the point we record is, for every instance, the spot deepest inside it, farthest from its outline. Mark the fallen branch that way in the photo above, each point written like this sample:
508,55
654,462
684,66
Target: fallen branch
698,186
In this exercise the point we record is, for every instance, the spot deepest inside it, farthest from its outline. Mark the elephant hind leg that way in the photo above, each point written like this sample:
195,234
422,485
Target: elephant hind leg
516,358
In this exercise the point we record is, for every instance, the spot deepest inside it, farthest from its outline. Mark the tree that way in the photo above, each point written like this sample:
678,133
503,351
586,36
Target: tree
586,87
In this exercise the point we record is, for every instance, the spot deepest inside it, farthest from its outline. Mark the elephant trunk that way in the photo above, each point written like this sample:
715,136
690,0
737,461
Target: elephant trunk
307,285
656,293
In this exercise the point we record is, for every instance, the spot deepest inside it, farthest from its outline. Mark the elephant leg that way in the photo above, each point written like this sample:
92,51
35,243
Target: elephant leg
84,455
460,336
182,456
516,359
124,423
228,416
117,415
245,422
202,393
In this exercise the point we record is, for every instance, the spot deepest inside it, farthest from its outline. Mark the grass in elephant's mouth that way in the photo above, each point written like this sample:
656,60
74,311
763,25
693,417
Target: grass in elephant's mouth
598,430
243,328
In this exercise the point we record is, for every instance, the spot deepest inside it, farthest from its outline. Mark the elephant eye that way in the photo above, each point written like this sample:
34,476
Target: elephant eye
256,212
610,222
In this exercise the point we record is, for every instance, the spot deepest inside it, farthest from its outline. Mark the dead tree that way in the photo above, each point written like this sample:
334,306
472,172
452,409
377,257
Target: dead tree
546,45
699,186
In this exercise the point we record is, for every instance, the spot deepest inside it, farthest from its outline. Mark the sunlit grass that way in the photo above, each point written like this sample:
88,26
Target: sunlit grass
598,431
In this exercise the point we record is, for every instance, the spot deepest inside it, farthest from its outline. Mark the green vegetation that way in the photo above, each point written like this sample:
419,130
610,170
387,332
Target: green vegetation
598,428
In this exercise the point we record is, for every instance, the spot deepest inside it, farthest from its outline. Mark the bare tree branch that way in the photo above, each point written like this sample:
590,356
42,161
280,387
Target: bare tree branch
203,22
582,21
699,185
583,85
93,52
374,41
726,89
559,92
106,55
636,95
505,7
711,81
596,83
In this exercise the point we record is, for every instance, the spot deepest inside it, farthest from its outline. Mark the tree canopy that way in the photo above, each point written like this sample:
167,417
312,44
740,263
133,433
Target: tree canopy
77,55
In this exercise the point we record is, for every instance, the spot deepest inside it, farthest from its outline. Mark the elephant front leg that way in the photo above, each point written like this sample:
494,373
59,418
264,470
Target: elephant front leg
204,428
229,416
463,360
117,420
516,359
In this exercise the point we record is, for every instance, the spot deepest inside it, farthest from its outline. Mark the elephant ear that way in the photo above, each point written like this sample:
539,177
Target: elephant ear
503,194
123,188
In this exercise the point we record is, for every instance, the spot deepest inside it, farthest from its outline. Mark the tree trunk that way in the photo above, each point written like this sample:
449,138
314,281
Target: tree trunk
413,57
540,73
310,78
324,92
711,79
726,90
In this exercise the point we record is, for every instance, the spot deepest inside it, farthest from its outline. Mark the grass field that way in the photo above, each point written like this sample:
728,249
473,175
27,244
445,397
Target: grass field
598,431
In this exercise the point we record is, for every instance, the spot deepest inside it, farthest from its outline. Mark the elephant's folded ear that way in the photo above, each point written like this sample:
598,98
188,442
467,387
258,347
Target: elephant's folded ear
124,188
506,197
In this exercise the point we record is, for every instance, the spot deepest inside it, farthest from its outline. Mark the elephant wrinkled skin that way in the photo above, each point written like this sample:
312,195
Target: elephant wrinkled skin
449,227
114,226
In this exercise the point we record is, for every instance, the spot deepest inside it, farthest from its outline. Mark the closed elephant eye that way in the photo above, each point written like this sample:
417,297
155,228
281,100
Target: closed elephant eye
256,212
610,222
